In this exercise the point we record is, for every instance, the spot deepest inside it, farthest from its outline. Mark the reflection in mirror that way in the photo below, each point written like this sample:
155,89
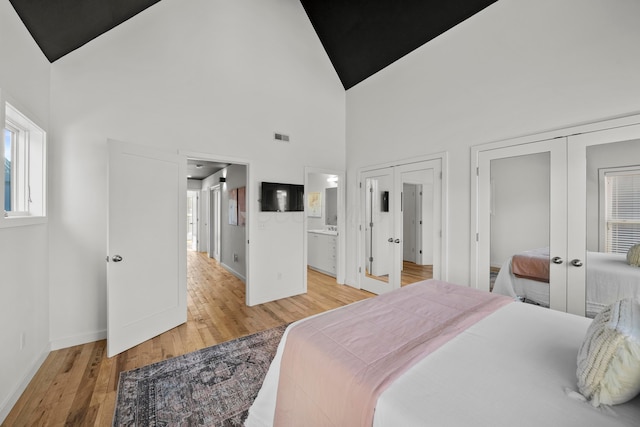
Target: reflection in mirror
378,228
331,210
321,204
418,206
519,242
613,223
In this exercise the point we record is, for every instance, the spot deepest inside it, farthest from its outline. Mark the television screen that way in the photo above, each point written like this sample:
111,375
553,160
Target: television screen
277,197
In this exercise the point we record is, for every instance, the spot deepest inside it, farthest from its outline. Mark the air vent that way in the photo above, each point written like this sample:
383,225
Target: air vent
281,137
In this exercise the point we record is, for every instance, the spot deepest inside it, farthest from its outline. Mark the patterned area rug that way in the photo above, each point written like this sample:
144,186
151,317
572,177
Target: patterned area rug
214,386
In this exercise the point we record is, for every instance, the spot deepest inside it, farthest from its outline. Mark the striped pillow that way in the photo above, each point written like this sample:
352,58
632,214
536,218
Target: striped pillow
609,358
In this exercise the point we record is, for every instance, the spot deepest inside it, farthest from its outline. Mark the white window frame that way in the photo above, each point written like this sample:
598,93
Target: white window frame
29,169
604,202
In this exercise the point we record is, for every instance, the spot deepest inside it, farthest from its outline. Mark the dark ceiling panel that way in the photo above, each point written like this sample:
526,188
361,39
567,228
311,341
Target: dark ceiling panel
362,37
62,26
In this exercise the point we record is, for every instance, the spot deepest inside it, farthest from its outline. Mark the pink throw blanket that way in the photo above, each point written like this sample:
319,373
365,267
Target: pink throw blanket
335,366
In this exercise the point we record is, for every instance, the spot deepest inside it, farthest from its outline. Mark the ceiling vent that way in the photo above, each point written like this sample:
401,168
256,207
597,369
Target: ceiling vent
281,137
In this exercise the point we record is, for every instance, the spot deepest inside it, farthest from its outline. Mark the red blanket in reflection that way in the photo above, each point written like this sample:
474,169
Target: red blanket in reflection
533,264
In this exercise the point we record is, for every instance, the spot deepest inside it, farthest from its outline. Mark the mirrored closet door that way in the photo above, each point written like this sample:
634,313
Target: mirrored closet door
604,212
581,195
401,225
521,237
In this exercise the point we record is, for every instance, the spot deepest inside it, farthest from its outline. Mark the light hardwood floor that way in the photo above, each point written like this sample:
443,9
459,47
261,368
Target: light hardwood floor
412,273
77,386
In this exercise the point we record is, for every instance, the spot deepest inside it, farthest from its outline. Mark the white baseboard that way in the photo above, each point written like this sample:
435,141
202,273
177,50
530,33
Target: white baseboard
78,339
232,271
7,405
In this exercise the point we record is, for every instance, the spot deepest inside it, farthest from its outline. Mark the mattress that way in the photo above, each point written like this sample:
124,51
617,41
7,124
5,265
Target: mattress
515,367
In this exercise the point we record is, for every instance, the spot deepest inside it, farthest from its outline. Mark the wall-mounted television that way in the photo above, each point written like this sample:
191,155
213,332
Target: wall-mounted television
278,197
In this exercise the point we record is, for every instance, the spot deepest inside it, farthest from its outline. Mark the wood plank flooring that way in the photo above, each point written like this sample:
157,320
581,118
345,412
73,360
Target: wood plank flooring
77,386
412,273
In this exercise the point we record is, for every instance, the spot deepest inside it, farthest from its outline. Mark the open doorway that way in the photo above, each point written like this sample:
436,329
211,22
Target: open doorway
217,196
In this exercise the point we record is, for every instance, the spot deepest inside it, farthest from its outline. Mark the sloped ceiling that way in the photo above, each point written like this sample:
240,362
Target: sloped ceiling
361,37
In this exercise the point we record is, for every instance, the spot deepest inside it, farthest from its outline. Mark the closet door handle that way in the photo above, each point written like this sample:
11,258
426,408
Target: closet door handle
557,260
576,263
390,240
397,241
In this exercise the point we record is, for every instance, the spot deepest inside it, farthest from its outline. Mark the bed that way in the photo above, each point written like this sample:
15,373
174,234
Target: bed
609,278
487,370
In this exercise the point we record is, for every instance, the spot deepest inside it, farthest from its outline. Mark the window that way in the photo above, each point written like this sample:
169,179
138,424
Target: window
24,157
622,208
9,143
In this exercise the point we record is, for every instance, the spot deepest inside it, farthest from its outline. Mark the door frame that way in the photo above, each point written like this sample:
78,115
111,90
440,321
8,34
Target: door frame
251,205
444,210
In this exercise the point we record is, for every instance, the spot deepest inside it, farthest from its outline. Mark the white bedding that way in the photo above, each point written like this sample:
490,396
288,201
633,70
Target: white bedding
514,367
609,278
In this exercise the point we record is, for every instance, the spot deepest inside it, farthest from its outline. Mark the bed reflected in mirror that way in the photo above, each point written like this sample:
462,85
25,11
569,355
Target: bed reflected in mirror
520,226
613,222
520,203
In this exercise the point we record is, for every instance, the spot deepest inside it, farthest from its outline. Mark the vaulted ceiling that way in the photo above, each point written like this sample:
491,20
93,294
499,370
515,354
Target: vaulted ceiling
361,37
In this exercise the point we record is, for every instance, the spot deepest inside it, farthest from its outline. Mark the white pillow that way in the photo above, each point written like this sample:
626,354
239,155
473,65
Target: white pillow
609,358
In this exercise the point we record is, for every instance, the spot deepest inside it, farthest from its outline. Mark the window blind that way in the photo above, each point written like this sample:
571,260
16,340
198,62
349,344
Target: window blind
622,210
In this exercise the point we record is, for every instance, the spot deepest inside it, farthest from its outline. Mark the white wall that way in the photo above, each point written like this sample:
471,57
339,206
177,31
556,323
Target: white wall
204,76
518,67
24,294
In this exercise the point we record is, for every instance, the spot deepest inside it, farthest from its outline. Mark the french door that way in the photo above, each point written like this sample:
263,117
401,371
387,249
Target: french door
561,205
521,206
383,219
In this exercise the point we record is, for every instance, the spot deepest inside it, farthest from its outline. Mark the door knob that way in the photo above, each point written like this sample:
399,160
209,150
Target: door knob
116,258
397,240
557,260
576,263
390,240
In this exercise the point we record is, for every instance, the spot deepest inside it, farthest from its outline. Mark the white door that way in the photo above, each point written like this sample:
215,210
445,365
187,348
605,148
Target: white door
146,269
506,215
379,273
592,157
427,175
382,223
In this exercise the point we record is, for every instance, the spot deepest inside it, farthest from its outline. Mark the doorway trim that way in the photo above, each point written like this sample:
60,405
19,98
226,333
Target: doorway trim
251,204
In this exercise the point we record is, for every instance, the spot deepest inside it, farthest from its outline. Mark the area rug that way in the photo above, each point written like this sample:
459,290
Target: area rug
214,386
